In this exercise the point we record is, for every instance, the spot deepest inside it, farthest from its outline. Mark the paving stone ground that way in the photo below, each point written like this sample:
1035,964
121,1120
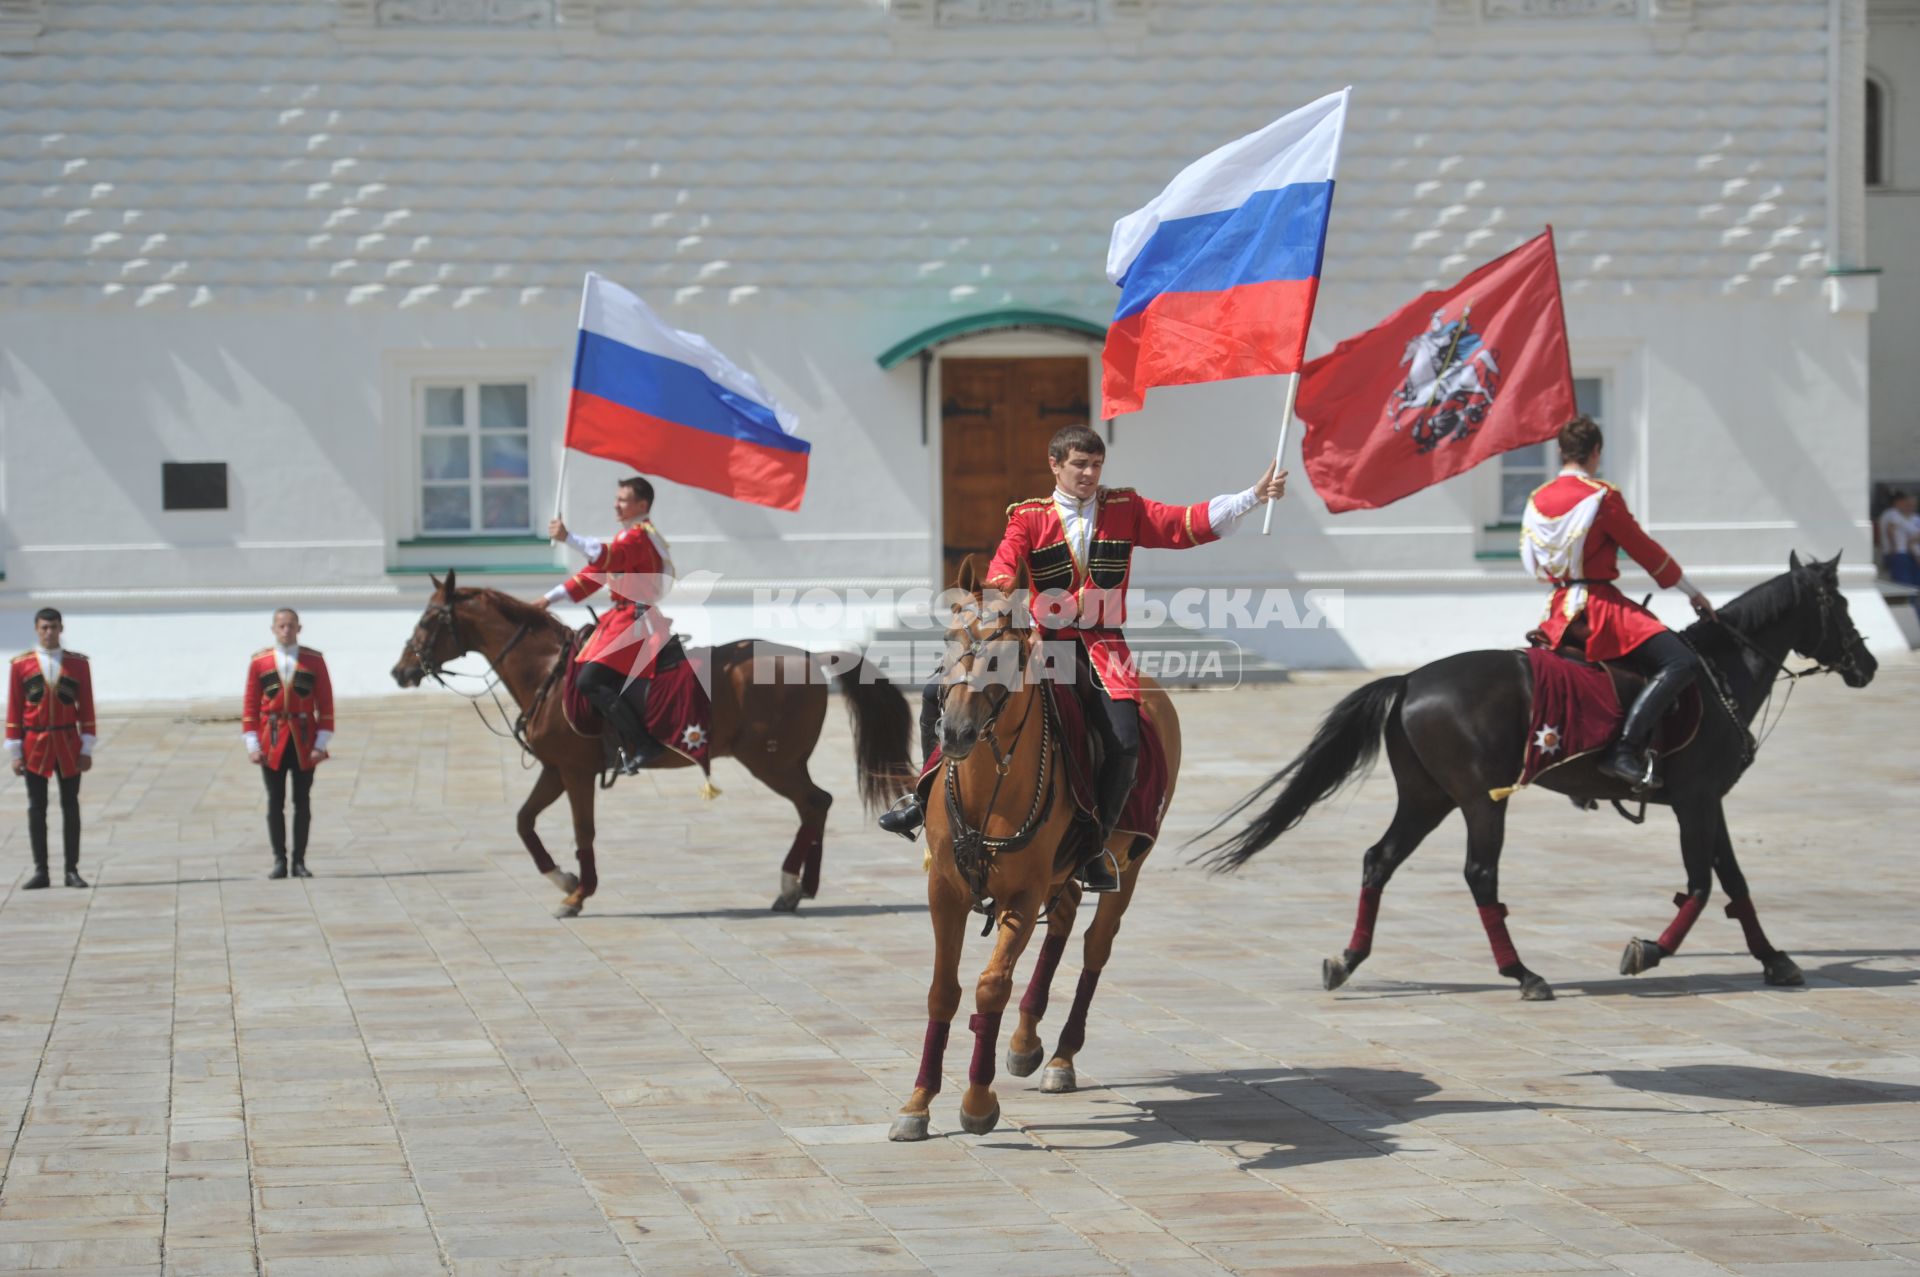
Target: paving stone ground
405,1065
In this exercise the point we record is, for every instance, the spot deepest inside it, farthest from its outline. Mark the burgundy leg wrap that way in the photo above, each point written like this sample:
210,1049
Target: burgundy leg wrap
1676,932
933,1055
589,874
1035,1002
1757,942
803,858
1362,942
1073,1035
986,1036
1494,919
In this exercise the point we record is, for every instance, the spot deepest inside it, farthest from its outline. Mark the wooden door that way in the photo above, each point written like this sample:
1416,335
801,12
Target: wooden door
996,416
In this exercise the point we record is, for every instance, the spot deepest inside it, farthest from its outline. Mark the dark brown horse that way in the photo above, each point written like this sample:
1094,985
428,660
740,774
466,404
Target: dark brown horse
769,702
1456,730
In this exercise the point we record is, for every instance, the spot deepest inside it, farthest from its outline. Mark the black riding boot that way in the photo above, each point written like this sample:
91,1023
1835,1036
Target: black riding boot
906,816
1672,667
39,878
1101,872
637,745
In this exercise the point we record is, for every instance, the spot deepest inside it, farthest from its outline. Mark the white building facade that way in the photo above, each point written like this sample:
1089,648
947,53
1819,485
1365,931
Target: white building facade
290,291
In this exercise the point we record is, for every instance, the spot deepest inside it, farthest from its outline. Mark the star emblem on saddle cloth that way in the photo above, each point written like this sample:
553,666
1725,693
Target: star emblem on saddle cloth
694,738
1547,740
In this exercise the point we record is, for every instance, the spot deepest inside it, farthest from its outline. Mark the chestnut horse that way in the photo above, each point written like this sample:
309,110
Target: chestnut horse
996,821
769,702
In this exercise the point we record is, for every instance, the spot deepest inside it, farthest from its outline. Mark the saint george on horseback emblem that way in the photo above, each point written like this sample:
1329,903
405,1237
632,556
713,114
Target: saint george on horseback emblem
1452,378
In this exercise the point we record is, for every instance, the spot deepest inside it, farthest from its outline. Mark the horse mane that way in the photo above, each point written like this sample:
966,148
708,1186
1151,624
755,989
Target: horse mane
521,612
1763,605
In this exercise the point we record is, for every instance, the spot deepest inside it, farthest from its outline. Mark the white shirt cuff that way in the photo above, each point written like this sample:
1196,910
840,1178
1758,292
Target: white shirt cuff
16,748
1225,512
558,594
252,741
589,546
1687,587
86,745
321,739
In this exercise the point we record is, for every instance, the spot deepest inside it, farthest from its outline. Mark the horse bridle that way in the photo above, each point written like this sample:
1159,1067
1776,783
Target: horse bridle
442,613
972,848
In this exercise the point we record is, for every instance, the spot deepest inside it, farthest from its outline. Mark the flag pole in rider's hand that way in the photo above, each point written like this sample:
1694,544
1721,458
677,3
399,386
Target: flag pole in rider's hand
579,351
1286,420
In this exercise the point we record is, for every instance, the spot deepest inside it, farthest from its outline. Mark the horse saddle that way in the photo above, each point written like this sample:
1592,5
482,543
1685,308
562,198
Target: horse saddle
583,717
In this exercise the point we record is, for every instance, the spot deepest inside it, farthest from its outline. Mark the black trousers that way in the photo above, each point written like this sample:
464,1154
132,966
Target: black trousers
69,818
620,702
276,778
1670,665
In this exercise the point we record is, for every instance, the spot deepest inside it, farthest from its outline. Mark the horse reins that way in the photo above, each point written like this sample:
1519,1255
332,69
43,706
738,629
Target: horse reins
444,614
972,847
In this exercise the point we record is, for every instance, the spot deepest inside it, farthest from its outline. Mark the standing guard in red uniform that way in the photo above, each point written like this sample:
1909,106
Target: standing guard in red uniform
1571,537
287,721
1078,548
50,733
637,571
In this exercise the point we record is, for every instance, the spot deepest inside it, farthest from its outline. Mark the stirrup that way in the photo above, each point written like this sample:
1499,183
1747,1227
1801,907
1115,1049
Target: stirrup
1101,874
904,818
1644,779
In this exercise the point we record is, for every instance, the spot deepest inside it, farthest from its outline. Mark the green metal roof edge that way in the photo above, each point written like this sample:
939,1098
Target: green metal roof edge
989,321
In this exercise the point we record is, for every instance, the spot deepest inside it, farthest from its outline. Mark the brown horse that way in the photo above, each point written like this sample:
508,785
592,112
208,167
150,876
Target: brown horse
1014,810
768,701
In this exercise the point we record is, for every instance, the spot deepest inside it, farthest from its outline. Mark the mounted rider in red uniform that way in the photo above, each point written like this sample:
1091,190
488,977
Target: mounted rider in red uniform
635,568
1078,549
1571,537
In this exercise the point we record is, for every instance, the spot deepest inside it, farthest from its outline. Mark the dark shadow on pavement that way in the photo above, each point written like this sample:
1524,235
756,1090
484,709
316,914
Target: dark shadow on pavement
262,877
1746,1083
805,910
1276,1118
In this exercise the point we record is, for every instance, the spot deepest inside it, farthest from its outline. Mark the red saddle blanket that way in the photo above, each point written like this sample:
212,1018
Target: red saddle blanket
1577,711
679,713
1145,805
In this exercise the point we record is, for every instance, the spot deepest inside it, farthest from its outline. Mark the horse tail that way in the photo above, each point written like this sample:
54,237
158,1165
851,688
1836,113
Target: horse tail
1347,741
882,729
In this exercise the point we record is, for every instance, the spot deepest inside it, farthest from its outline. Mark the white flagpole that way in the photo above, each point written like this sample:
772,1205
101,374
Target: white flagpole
1286,419
560,481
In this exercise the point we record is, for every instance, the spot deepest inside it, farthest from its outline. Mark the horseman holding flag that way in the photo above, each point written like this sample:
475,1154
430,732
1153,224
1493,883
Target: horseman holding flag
664,400
1077,547
629,637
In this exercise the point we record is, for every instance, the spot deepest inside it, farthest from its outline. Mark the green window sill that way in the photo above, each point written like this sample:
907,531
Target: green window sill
476,569
428,543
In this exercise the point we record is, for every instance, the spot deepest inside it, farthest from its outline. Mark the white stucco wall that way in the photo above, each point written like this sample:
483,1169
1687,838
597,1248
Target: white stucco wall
234,233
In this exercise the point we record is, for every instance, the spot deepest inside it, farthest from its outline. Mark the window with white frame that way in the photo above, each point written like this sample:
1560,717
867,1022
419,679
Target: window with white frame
1524,469
475,476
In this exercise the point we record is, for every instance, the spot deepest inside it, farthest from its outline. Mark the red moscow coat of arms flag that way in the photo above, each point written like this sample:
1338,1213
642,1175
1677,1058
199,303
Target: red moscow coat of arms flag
1447,381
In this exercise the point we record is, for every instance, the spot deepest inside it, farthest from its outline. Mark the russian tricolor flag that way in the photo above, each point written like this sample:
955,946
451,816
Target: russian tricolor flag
667,403
1217,275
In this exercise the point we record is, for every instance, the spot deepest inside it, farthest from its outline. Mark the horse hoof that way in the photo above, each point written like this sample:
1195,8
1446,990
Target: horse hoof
786,904
979,1125
908,1128
569,908
1333,973
1023,1063
1783,973
1534,989
566,882
1059,1080
1641,955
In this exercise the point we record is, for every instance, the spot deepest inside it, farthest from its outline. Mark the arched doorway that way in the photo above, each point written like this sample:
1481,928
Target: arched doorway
994,389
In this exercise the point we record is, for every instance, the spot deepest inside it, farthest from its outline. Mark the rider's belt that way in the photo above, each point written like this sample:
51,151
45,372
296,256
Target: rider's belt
1584,580
57,727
